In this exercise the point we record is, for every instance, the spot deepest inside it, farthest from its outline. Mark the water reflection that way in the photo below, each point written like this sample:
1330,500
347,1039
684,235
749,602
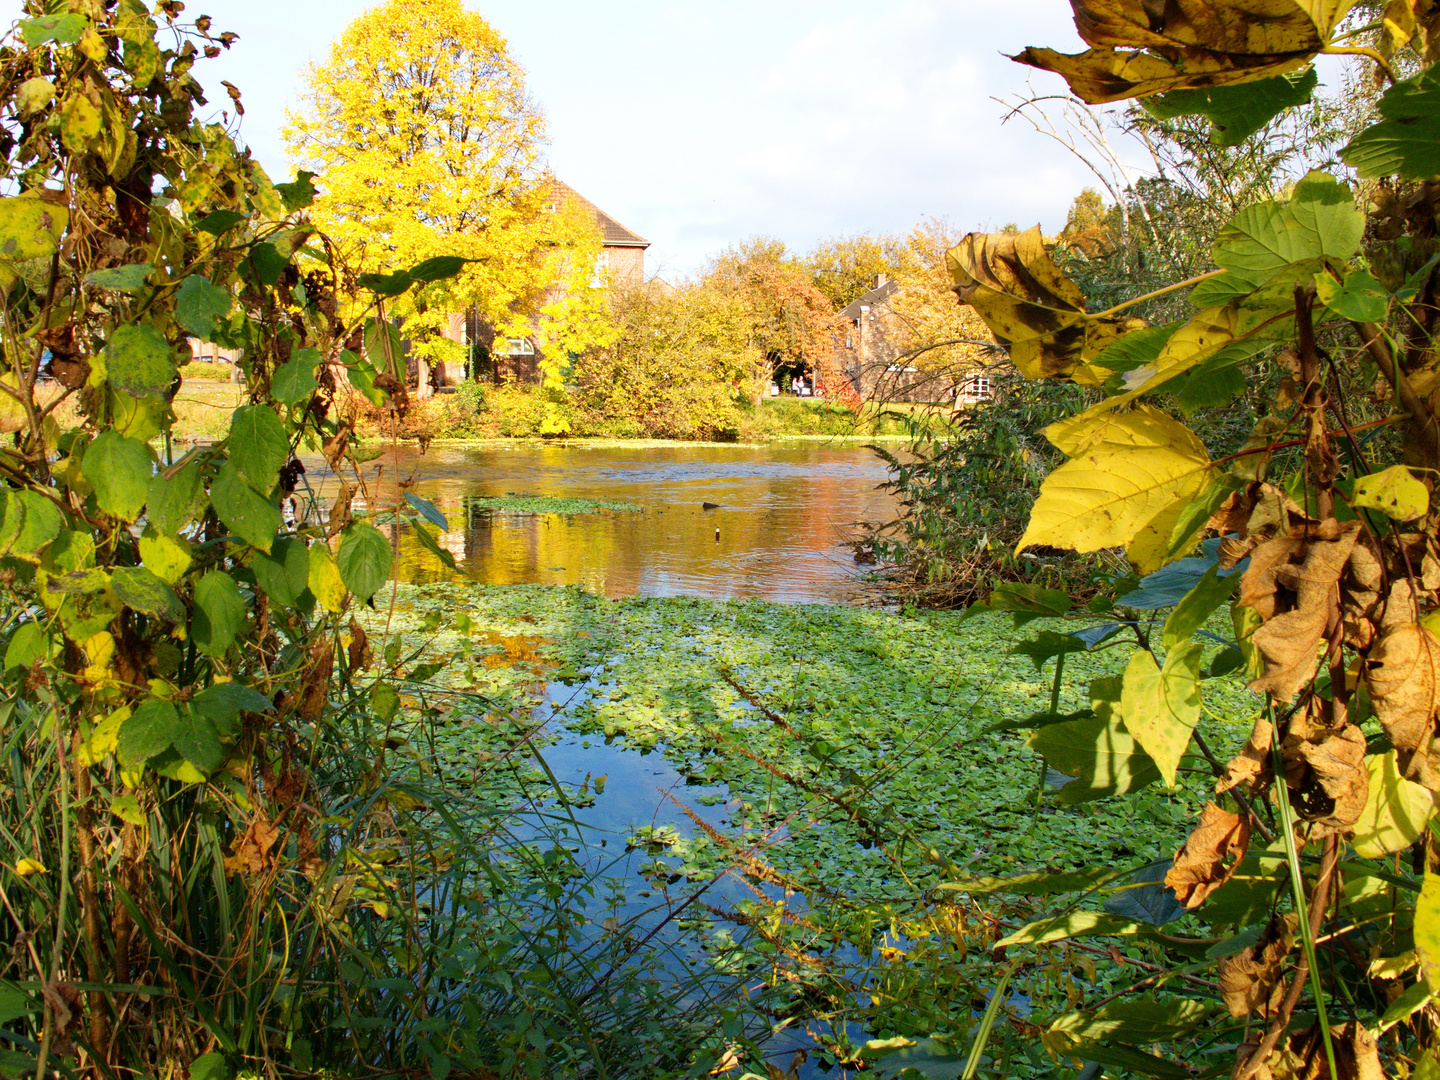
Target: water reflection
777,533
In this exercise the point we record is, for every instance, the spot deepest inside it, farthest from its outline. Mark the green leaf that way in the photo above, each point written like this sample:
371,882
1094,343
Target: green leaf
39,526
266,264
386,285
1319,221
932,1058
244,511
432,545
299,193
258,445
174,503
1136,349
138,361
1403,1007
1237,111
1073,924
1161,706
140,590
12,517
122,278
26,645
1396,810
1359,298
364,559
219,613
1198,605
428,510
219,222
198,740
1394,492
1406,143
1143,1022
284,573
439,268
81,582
198,304
148,732
61,29
1097,750
30,228
385,700
213,1066
224,702
1427,930
1214,383
294,381
380,337
1047,645
1128,1059
119,469
1043,884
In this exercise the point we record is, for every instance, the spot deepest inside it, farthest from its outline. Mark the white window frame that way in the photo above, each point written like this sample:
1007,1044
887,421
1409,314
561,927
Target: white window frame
519,346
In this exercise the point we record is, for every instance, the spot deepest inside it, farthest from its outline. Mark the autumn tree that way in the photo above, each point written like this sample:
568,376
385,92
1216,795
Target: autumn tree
670,370
427,143
792,324
844,268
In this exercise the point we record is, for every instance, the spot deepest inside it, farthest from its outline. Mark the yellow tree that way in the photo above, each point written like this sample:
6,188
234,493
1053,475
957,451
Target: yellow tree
427,143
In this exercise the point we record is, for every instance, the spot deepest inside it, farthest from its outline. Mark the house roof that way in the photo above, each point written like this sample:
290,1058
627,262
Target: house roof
877,295
613,234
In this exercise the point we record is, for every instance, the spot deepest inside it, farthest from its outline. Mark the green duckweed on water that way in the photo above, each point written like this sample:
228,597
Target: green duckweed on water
849,748
549,504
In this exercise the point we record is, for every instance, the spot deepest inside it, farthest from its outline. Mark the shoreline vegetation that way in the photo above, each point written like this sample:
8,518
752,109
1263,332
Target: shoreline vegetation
480,414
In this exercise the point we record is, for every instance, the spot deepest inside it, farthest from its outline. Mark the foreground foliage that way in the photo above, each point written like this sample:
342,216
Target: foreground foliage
1326,557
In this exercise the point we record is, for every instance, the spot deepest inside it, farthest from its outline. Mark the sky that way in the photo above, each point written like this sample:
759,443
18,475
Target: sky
699,125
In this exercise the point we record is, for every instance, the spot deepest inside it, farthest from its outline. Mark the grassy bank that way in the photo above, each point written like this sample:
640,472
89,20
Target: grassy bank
854,754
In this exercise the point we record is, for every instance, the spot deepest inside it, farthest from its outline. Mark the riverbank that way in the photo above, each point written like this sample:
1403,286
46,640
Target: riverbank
837,764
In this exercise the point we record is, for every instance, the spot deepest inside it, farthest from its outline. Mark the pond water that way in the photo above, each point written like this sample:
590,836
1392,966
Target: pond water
777,532
783,512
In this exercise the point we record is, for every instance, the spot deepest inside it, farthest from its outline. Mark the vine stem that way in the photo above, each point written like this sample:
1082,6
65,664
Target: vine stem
1166,291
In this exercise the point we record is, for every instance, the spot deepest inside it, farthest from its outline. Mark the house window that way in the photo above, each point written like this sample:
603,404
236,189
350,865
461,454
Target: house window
519,346
977,388
602,269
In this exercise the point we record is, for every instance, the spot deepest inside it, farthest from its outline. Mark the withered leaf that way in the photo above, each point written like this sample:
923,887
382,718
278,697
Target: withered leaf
1252,765
358,653
1402,674
1332,792
250,852
1187,43
1031,307
315,684
1250,980
1301,601
1210,855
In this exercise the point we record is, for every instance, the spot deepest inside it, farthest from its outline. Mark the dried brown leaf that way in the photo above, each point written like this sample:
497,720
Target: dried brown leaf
1211,853
1250,980
1334,788
250,852
358,654
1252,765
1302,599
1402,673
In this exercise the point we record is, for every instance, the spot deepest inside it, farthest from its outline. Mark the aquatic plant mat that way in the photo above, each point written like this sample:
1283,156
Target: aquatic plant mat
802,783
551,504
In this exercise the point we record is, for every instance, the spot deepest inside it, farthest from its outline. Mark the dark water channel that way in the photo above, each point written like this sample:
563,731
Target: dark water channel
778,532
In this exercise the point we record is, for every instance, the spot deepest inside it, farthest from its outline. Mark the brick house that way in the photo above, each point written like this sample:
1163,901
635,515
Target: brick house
622,258
872,356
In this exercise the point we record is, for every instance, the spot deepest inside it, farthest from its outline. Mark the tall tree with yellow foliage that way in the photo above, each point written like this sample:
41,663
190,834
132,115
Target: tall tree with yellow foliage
427,143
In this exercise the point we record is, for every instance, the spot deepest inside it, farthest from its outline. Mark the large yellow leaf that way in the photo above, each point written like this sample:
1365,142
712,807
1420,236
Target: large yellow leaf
1031,307
1187,43
1395,811
1129,469
1161,706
